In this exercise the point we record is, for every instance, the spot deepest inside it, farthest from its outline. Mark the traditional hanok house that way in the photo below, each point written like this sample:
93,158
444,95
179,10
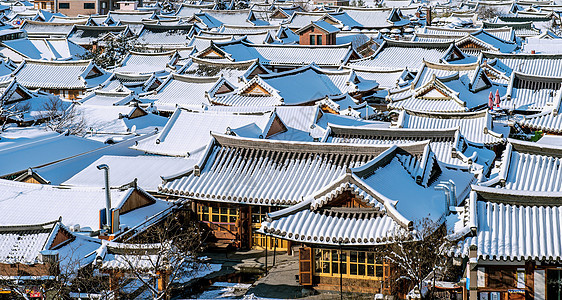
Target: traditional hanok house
294,123
147,63
254,35
185,91
34,254
529,94
293,88
236,73
186,10
69,79
112,124
30,104
300,19
203,40
204,20
280,57
32,176
92,37
503,33
450,147
46,29
477,128
341,223
82,208
473,43
283,13
231,198
130,16
520,29
403,54
135,83
166,36
447,88
318,33
548,121
514,217
235,17
104,98
547,65
39,48
377,18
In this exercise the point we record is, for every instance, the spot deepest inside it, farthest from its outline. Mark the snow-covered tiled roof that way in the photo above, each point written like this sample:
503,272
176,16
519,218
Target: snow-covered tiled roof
143,63
45,29
305,167
529,167
165,35
36,203
476,127
532,93
181,90
198,126
402,54
515,232
22,244
289,55
86,35
47,49
549,65
57,74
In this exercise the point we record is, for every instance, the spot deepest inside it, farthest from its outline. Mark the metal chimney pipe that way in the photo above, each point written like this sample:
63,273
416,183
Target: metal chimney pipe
107,193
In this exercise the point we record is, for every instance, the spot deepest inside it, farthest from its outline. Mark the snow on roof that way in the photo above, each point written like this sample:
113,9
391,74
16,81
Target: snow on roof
476,127
376,17
36,28
22,244
400,54
532,93
167,35
86,35
102,119
230,17
47,49
387,212
548,65
99,97
143,63
58,74
180,90
504,33
532,167
444,142
42,151
199,125
37,203
514,232
61,171
124,169
304,167
135,16
292,55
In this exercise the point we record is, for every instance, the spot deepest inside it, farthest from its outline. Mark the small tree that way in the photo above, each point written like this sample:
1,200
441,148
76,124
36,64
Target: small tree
11,110
112,52
415,254
61,116
487,12
167,251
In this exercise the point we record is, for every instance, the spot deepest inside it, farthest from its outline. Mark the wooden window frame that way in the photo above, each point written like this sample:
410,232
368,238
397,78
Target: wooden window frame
329,259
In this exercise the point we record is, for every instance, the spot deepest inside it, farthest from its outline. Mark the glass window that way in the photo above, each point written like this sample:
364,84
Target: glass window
318,40
312,39
89,6
352,264
64,5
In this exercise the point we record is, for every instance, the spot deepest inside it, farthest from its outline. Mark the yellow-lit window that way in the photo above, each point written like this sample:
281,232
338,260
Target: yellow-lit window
217,214
352,263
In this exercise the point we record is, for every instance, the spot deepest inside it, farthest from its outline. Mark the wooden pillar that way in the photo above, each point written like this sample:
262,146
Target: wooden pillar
163,278
530,280
289,248
473,273
114,278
